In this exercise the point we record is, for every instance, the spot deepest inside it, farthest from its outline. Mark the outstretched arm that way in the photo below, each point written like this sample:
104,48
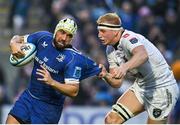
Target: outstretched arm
68,89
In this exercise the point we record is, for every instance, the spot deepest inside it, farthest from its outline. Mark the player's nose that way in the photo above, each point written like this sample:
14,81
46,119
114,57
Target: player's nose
64,37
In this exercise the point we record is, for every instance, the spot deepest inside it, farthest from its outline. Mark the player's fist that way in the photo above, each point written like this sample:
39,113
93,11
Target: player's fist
15,47
120,71
103,72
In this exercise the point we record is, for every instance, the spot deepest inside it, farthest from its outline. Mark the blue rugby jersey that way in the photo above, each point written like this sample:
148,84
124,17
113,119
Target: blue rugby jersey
68,65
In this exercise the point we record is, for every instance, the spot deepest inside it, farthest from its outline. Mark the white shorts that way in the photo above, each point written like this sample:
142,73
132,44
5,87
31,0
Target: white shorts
158,102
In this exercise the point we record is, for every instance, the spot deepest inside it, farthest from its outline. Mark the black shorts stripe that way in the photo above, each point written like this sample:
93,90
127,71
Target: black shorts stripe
120,114
124,110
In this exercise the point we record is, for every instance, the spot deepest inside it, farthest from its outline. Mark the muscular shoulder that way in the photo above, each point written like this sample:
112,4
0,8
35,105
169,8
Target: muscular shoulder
72,54
72,51
130,40
130,36
40,34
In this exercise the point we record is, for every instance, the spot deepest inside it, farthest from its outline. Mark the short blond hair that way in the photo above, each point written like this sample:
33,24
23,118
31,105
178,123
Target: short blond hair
109,18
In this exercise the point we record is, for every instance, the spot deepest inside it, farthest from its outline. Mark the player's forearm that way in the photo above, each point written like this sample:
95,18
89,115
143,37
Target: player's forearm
116,83
138,59
70,90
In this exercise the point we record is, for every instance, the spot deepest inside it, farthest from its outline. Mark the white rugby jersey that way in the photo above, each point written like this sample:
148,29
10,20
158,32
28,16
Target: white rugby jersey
154,72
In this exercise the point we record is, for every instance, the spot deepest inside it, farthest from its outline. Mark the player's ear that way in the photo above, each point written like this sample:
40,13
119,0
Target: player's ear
116,33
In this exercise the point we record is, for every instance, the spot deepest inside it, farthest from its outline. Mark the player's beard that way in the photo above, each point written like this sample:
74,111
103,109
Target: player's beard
60,46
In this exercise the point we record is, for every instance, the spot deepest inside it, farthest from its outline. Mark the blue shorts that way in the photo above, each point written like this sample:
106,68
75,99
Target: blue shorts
33,111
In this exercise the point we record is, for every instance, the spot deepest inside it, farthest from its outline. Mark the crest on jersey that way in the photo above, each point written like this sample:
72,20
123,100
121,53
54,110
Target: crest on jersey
77,72
45,59
157,112
44,44
60,57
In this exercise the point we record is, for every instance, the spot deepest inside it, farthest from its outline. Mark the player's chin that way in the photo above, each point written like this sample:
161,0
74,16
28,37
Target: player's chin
59,46
104,43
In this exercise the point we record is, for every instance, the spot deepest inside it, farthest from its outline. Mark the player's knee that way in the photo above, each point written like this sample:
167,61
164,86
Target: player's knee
109,119
119,114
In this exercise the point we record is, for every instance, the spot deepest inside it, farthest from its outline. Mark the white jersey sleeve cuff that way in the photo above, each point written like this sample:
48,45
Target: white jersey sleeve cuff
71,80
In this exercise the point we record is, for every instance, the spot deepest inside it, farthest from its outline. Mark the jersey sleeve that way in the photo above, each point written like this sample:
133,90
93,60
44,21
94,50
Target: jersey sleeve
90,69
34,37
73,71
79,68
131,42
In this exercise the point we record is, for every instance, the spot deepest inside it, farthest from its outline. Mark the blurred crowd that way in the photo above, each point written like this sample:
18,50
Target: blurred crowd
158,20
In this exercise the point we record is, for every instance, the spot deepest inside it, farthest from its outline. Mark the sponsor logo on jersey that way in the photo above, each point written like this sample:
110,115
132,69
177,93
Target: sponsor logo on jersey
133,40
44,44
125,35
60,57
41,62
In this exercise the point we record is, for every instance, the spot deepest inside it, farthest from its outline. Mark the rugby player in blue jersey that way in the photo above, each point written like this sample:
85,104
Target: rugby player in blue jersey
58,69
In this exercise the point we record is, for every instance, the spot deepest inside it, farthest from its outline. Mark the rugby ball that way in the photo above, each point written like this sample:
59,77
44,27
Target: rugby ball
30,51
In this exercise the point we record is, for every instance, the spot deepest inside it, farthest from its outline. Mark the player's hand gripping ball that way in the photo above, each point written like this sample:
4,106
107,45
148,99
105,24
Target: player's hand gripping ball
30,51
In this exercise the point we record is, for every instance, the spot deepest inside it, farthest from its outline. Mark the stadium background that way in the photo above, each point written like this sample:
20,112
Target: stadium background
158,20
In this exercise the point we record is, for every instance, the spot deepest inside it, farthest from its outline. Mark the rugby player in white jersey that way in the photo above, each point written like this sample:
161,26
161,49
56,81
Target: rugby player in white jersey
155,90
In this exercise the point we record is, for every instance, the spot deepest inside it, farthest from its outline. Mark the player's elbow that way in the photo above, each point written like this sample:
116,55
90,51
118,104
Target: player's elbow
73,90
73,95
140,53
145,56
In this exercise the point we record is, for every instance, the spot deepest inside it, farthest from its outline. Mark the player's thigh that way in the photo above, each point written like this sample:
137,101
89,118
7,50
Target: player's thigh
11,120
21,109
130,100
151,121
126,107
45,113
